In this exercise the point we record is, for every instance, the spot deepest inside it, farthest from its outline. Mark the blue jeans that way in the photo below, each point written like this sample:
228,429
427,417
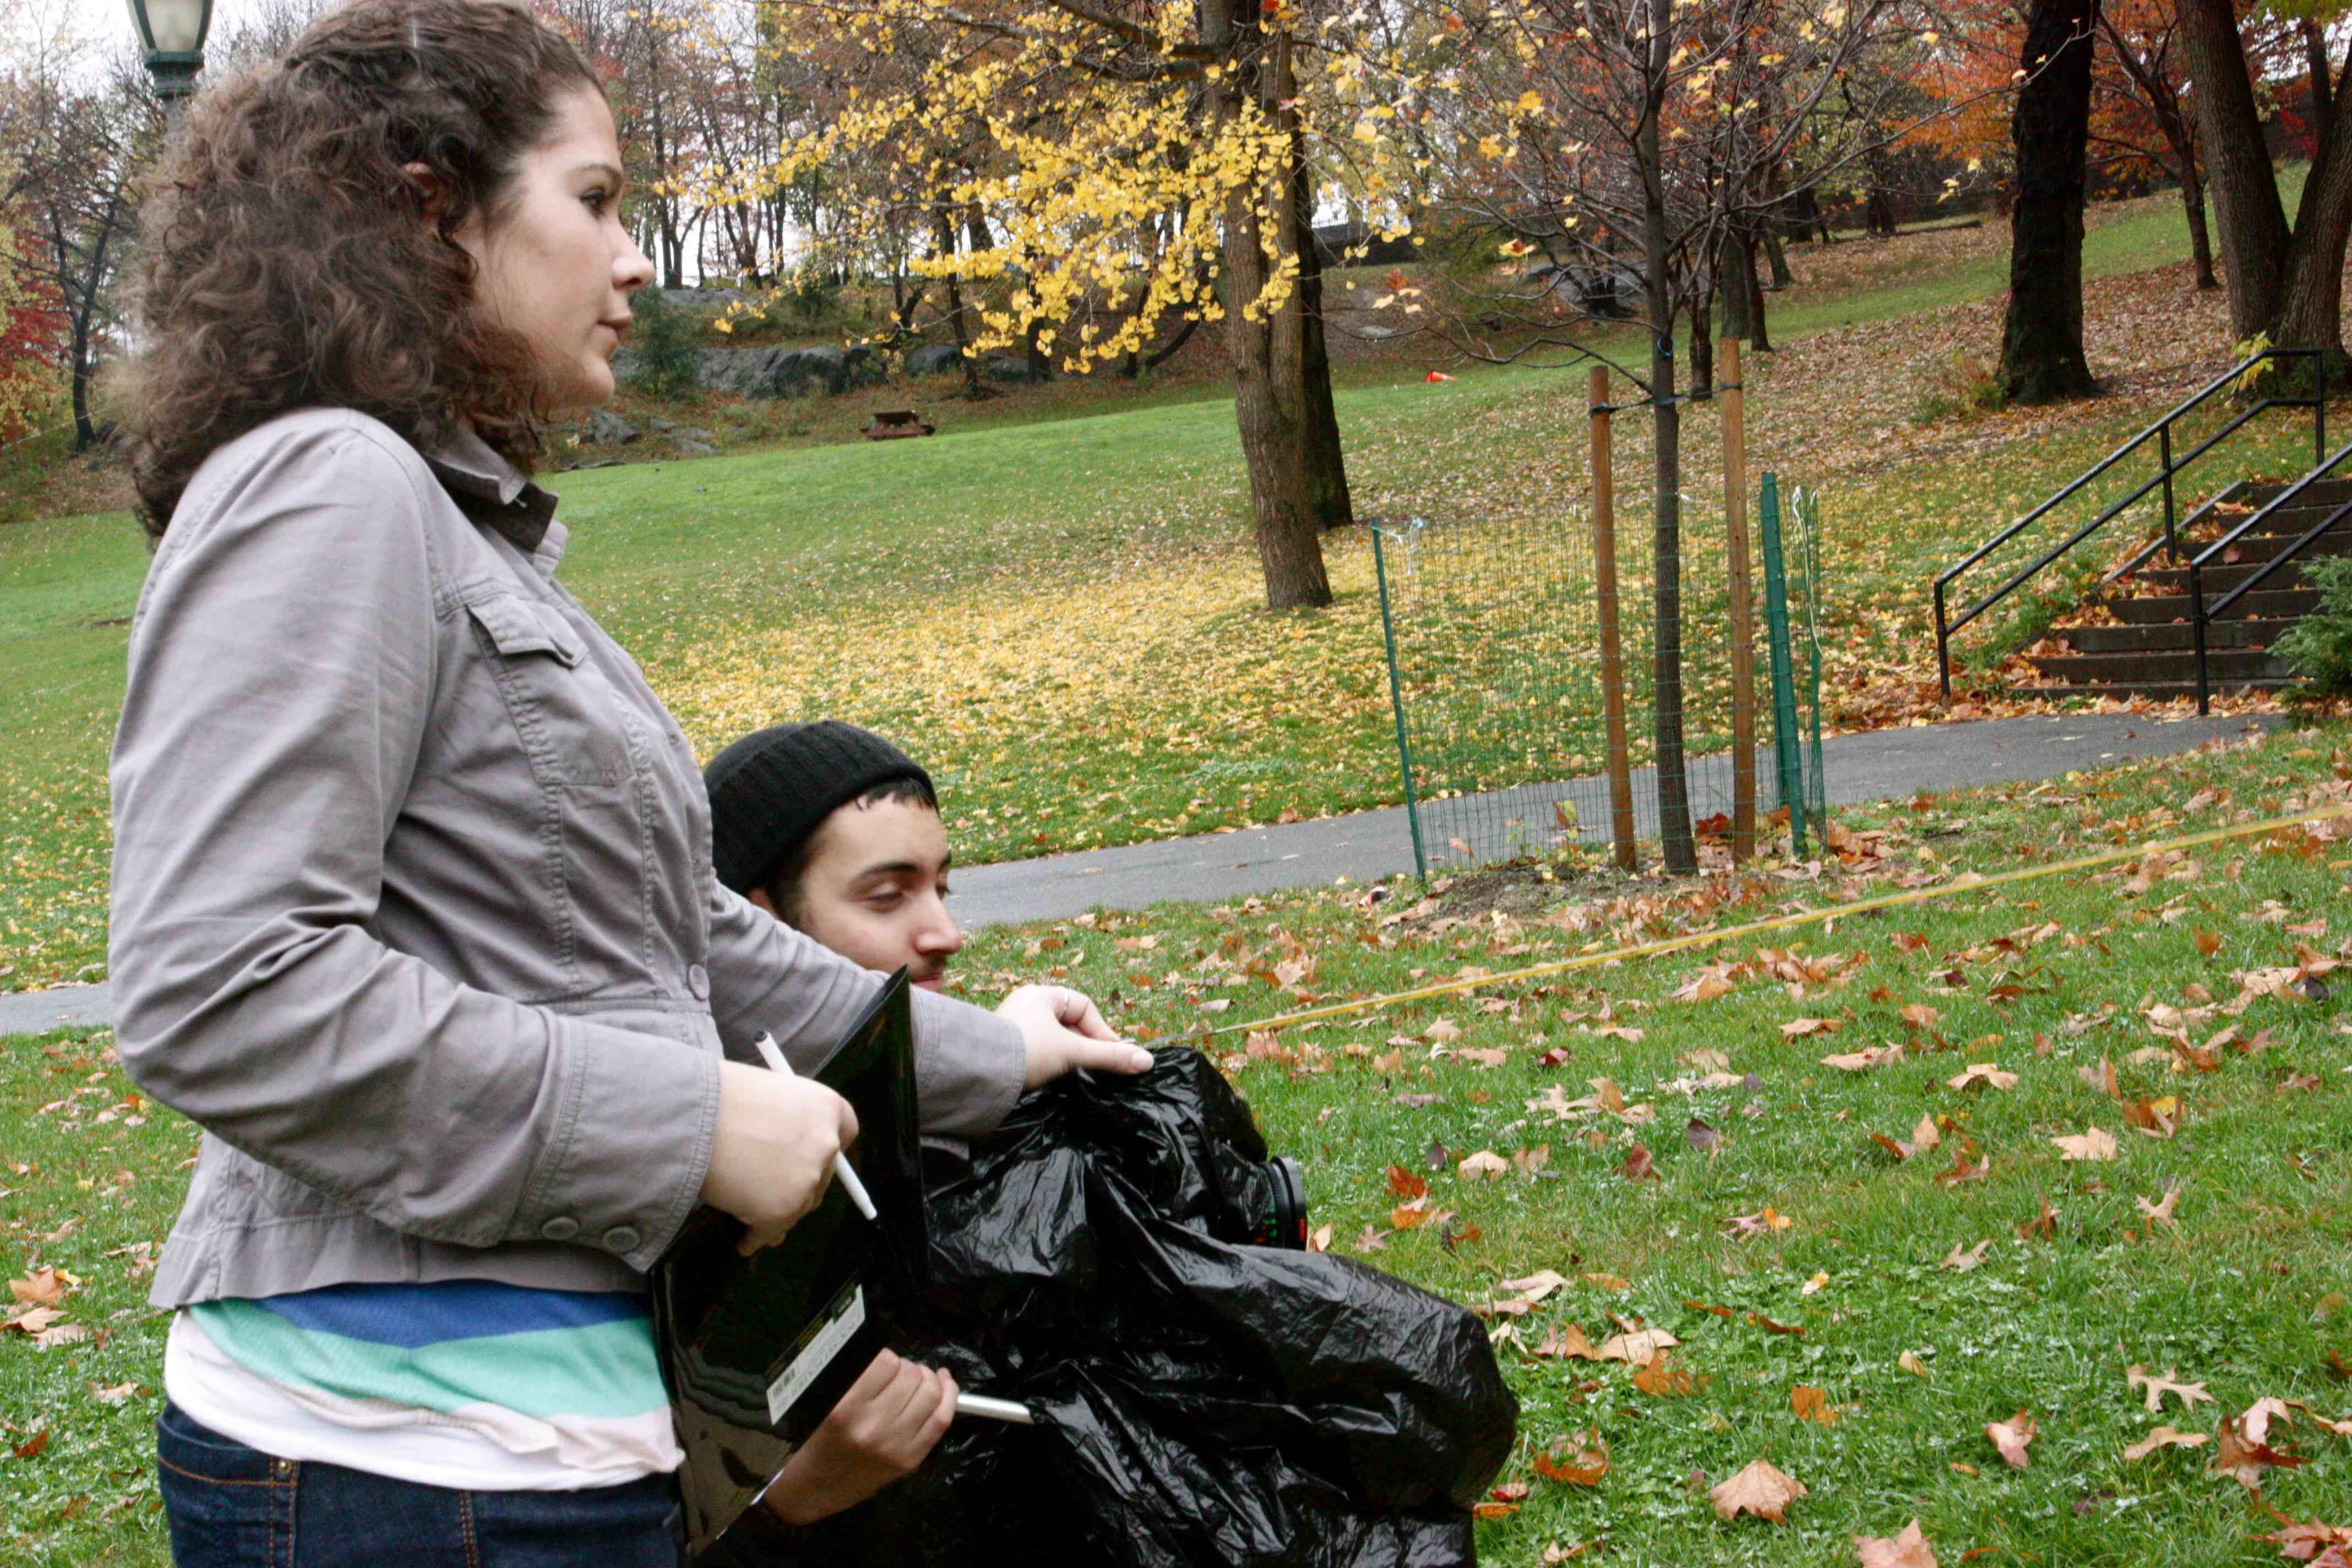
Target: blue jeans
230,1506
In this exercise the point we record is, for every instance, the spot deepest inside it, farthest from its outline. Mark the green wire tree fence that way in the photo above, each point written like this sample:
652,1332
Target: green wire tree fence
1493,630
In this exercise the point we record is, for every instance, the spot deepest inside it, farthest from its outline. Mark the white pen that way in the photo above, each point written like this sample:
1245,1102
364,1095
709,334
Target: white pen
994,1409
842,1171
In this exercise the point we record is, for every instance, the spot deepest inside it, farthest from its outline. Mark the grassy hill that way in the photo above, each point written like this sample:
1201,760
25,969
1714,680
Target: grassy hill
1062,616
1847,1165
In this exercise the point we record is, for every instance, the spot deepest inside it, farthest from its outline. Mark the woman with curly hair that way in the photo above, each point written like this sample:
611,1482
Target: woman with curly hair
413,910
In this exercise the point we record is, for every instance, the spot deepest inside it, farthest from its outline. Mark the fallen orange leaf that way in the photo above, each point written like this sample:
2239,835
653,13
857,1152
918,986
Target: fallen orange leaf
1761,1489
2011,1436
1908,1549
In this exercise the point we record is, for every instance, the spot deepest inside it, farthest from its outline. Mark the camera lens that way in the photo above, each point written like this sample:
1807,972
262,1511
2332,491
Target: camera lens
1284,1223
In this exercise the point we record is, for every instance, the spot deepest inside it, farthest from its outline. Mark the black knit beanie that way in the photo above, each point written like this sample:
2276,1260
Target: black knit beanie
774,787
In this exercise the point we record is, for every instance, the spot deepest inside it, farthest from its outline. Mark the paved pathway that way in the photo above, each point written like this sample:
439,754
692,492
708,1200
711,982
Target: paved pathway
1880,764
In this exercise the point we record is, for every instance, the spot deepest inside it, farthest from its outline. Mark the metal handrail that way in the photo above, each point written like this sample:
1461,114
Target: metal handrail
2167,466
2199,615
2223,497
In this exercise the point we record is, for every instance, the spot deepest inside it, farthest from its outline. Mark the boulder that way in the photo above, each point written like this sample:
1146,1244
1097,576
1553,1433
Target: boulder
606,428
712,299
1014,367
934,358
686,449
769,372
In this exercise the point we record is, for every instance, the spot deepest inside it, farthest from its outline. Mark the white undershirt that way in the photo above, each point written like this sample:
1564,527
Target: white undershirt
479,1449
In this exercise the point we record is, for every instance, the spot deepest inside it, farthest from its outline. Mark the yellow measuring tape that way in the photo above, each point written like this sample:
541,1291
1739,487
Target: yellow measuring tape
1966,882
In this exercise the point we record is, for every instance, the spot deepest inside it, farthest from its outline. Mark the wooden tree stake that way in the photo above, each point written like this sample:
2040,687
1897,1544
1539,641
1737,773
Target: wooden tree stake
1612,664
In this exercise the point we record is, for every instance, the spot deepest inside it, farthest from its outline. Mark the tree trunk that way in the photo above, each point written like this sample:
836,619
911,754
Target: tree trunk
1702,339
1268,352
1166,351
1666,669
2311,282
1733,282
1326,463
1759,337
2284,283
85,431
1878,213
1041,363
85,313
2246,206
911,304
1806,207
1778,254
2200,243
944,227
1743,291
2042,342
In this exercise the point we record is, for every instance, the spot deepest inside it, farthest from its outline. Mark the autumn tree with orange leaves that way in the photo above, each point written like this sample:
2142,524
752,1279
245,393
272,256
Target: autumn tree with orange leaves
32,336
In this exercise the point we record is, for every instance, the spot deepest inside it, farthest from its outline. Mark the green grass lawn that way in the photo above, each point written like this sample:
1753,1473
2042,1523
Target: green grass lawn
2242,1293
1063,617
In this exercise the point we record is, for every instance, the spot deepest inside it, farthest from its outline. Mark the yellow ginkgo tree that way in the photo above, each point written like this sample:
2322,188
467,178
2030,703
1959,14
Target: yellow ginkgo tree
1091,173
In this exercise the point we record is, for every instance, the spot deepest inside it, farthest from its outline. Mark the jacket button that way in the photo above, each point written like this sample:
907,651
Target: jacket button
698,980
620,1238
563,1227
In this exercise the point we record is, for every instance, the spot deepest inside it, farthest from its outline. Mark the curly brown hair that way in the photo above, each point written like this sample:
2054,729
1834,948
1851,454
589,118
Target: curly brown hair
287,261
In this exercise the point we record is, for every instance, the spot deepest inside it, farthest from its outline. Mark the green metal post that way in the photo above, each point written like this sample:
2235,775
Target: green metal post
1396,706
1808,509
1785,754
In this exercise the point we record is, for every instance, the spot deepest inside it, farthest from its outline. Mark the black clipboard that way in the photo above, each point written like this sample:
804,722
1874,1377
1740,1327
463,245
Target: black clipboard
756,1350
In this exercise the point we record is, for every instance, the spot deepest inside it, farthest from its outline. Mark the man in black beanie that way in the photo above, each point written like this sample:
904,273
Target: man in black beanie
836,832
841,807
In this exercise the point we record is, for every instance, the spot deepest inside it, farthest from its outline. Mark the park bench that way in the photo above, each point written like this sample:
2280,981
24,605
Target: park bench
890,423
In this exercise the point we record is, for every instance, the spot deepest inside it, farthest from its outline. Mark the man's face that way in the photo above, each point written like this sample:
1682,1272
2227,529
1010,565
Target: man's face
876,887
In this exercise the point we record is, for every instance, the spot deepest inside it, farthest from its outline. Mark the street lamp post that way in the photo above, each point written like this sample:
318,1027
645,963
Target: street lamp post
172,33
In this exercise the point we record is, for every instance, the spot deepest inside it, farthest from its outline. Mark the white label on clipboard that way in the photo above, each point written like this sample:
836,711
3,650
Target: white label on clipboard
843,1319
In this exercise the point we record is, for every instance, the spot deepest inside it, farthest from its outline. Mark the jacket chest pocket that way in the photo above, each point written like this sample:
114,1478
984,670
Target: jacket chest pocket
562,710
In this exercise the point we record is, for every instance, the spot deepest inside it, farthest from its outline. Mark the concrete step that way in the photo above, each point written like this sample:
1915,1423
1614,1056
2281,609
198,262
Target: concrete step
2235,664
2221,579
2325,492
2269,546
2145,638
2287,604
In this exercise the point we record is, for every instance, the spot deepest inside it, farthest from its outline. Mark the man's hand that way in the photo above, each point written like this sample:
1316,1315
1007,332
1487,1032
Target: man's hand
1064,1031
886,1424
773,1153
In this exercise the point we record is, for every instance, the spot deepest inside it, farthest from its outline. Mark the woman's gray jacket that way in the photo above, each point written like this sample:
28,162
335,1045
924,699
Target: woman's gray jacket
413,905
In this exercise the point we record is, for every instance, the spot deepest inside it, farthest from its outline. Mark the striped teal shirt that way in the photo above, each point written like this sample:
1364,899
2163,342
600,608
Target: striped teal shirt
462,1382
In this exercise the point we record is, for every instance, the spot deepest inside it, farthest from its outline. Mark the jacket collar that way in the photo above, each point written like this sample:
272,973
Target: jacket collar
488,489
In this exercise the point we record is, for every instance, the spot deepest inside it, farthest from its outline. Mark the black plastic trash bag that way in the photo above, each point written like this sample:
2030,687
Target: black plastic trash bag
1201,1400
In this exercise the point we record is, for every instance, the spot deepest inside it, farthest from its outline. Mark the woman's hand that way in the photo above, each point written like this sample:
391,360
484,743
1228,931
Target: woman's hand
1064,1031
773,1151
890,1418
